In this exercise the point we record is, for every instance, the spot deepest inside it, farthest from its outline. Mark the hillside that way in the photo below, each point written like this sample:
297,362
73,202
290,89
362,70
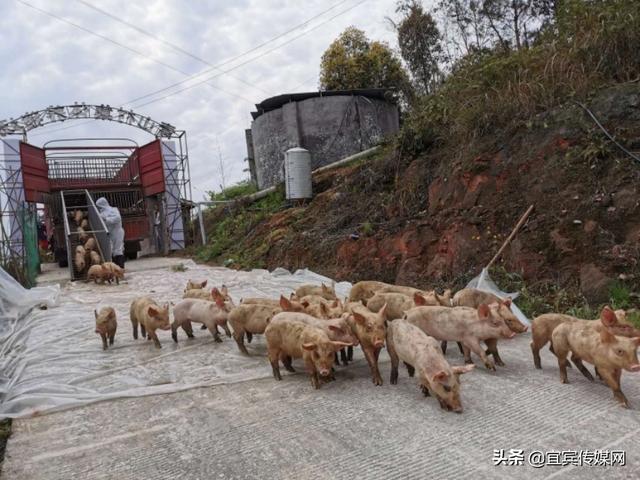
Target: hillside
504,131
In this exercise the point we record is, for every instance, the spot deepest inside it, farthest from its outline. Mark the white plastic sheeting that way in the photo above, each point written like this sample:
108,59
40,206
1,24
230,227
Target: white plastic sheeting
483,282
56,360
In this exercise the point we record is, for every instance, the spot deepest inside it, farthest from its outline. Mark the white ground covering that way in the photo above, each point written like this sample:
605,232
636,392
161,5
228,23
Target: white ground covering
52,359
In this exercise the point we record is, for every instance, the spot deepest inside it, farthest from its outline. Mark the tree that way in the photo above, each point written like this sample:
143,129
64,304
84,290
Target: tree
420,44
353,61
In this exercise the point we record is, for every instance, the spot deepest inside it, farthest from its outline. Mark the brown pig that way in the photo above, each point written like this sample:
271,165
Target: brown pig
337,329
146,312
610,354
78,216
326,292
542,328
471,297
398,303
210,314
98,272
193,285
82,235
79,261
96,259
369,328
90,244
106,325
324,310
422,354
288,338
253,318
85,224
115,271
364,290
462,324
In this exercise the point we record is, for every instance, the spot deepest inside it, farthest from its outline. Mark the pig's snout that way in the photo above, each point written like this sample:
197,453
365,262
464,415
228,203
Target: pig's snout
324,372
458,409
97,331
510,334
634,368
378,343
165,327
525,328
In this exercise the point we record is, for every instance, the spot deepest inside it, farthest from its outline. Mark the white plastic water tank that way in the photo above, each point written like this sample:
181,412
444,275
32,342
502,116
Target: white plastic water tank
297,173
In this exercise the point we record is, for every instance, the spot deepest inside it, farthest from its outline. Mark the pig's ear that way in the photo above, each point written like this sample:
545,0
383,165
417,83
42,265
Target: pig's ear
204,284
215,292
335,328
608,317
606,336
305,304
359,318
483,311
309,346
636,340
335,304
284,303
324,308
340,345
152,310
293,296
441,376
95,312
419,299
224,290
459,370
382,311
507,302
112,314
220,302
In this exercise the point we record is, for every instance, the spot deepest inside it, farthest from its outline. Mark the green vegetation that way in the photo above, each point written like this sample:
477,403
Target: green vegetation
238,190
179,268
229,230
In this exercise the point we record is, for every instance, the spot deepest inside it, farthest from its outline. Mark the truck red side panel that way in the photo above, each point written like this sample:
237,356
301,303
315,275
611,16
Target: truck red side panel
35,173
151,170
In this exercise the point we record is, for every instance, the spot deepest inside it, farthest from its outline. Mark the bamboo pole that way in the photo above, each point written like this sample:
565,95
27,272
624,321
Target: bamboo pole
510,237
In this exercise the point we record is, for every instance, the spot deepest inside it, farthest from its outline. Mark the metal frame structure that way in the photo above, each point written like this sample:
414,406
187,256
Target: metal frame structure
13,205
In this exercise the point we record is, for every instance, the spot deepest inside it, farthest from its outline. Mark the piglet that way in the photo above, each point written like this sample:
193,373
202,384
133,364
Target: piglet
422,355
106,325
328,293
369,328
151,317
192,310
290,338
609,353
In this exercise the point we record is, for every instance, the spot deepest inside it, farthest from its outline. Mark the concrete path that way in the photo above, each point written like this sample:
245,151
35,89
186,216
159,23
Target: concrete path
263,429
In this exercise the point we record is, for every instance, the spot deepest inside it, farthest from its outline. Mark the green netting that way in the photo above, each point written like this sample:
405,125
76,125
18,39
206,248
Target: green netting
31,252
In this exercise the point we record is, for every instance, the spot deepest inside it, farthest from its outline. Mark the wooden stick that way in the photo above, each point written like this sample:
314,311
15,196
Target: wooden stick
511,235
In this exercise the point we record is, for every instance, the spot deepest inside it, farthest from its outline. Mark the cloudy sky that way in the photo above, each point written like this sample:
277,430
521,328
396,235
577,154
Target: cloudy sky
56,52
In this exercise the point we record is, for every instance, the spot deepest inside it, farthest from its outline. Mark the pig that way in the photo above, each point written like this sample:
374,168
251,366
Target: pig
289,338
116,272
542,328
473,298
408,291
78,216
260,301
398,303
328,293
369,328
80,250
210,314
146,312
336,328
95,258
210,296
364,290
422,354
85,224
609,353
253,319
106,325
98,272
193,285
82,236
323,310
90,244
79,261
462,324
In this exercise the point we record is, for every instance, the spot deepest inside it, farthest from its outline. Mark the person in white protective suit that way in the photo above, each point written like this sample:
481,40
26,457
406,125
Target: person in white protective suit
113,221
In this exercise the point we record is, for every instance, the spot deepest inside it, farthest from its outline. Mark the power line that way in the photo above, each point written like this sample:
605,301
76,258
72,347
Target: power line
126,47
165,42
240,64
231,60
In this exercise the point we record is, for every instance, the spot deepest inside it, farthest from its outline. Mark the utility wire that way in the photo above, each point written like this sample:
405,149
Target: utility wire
240,64
165,42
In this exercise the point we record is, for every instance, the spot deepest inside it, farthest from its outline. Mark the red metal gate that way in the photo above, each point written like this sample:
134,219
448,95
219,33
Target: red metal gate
35,173
151,170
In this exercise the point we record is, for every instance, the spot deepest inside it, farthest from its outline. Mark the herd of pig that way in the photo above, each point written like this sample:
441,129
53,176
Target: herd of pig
88,254
314,325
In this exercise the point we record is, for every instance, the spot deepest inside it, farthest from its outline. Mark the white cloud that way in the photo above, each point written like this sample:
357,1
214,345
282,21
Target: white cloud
48,62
